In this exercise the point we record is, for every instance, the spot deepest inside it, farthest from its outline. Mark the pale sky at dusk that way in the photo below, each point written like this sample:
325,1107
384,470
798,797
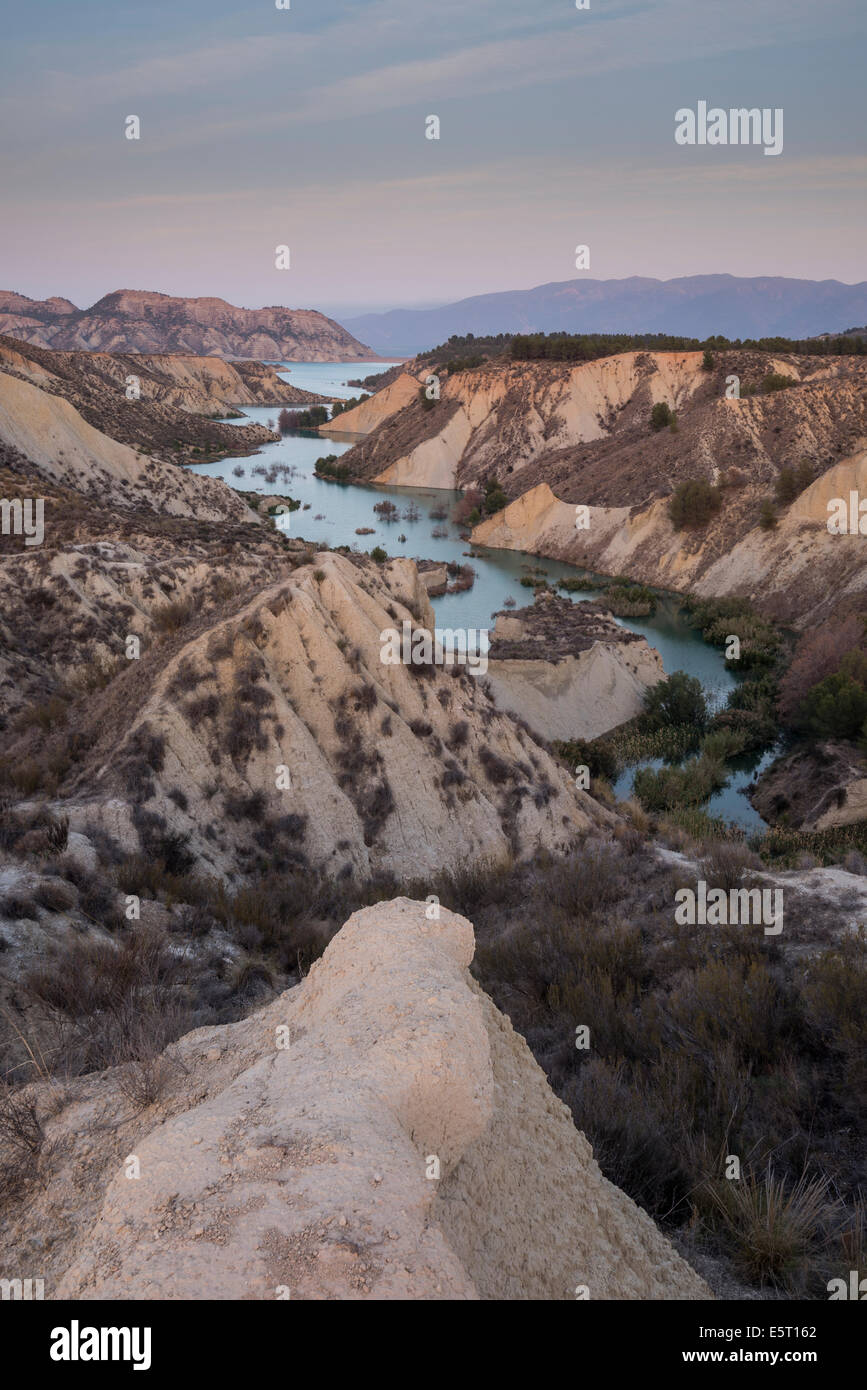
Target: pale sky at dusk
307,127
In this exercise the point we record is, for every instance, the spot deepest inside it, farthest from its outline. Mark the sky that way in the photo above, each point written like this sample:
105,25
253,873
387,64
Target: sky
305,127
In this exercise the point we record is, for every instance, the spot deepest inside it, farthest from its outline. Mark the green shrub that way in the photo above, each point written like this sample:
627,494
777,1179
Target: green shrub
767,515
679,699
693,503
627,600
599,758
791,482
723,743
332,471
718,619
672,787
835,708
776,381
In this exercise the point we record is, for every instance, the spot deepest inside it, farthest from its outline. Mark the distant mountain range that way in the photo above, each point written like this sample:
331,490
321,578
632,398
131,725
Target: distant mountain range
694,305
141,321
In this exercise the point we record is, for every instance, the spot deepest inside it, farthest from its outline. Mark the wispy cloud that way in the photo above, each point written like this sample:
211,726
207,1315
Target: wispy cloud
313,124
166,73
461,58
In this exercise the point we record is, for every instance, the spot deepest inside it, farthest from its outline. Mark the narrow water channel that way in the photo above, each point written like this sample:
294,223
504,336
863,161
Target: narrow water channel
331,513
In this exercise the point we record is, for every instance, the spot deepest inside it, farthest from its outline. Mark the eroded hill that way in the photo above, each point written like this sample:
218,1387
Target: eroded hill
143,321
215,686
560,436
166,405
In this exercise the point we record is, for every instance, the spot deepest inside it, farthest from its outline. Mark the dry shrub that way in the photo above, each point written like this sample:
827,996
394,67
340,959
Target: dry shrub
171,617
21,1138
105,1004
729,864
729,1000
819,653
628,1134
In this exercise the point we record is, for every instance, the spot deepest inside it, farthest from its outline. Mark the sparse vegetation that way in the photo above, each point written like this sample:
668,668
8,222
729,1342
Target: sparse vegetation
767,515
698,1049
676,700
791,482
701,1043
587,347
332,471
694,503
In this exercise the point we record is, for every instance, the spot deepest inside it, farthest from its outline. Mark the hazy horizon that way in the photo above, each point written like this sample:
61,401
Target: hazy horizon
357,310
306,127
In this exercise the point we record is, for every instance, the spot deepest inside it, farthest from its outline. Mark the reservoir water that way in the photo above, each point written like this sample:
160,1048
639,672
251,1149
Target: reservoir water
332,512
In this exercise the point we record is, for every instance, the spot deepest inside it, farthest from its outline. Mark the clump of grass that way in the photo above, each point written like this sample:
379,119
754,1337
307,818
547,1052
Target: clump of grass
774,1227
47,715
671,787
172,616
55,895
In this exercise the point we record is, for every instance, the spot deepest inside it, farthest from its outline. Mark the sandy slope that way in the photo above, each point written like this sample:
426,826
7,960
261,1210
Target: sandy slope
64,447
391,768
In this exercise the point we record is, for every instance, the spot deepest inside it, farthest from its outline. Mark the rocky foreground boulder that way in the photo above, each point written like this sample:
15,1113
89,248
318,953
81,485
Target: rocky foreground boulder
379,1131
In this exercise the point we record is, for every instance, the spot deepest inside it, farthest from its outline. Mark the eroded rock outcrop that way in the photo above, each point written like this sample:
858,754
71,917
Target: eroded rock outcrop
203,385
49,432
403,1144
568,669
381,406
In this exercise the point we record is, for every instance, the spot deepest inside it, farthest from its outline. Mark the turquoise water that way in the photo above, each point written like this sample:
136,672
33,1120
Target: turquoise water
332,511
330,378
729,803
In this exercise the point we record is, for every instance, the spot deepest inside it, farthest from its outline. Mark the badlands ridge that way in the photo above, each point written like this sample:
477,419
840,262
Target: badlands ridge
557,436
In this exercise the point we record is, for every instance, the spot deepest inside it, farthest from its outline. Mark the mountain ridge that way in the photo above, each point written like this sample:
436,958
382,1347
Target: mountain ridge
148,321
694,305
